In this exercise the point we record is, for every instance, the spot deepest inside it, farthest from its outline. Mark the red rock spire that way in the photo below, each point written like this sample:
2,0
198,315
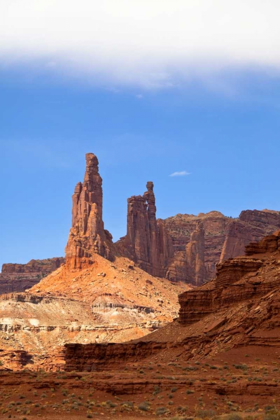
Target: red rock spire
87,235
147,243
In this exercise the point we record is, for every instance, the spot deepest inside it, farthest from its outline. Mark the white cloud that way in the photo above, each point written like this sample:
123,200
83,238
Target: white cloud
181,173
147,43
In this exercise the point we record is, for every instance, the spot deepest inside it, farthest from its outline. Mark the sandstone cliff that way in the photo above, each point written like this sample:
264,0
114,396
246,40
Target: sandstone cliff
195,257
19,277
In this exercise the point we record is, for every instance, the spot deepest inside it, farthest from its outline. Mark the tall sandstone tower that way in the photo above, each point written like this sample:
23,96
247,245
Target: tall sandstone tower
147,242
87,235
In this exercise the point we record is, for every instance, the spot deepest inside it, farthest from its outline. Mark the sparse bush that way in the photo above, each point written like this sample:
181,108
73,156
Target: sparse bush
160,411
144,406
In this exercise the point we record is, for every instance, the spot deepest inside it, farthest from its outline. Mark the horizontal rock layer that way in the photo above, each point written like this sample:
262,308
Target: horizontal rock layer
20,277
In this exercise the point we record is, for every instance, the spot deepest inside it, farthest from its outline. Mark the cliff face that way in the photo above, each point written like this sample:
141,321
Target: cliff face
20,277
196,254
186,247
238,279
87,235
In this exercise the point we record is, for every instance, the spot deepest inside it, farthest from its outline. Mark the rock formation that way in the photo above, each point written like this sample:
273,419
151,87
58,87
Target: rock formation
147,242
235,315
186,247
181,248
238,279
20,277
223,238
195,251
102,303
87,235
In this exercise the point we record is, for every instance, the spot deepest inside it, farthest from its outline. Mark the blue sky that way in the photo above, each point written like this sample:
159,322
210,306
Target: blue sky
145,111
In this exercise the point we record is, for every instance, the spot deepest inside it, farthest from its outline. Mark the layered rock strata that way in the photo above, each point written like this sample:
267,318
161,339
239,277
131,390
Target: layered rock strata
87,235
104,302
20,277
196,254
236,314
237,280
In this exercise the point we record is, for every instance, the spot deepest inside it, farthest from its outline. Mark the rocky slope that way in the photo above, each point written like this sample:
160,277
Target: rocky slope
221,356
237,313
19,277
102,303
96,296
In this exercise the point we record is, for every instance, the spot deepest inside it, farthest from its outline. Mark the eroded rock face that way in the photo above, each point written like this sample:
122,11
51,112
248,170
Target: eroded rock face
196,255
236,314
87,235
195,252
147,242
20,277
238,279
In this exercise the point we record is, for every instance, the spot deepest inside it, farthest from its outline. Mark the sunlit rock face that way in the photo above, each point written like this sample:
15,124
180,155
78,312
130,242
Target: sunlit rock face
87,235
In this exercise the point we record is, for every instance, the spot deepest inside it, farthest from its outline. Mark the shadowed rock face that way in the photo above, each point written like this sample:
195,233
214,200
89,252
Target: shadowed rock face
87,235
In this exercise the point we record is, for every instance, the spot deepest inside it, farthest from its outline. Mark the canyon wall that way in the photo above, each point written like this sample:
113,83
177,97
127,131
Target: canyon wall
237,313
187,247
238,279
198,250
20,277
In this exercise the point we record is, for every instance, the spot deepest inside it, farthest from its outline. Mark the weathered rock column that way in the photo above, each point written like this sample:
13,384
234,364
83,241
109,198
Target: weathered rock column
147,242
87,235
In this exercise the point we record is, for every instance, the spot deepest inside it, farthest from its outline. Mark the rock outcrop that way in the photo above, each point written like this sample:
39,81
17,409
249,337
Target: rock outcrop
20,277
235,315
196,255
182,248
186,247
238,279
147,242
87,235
104,302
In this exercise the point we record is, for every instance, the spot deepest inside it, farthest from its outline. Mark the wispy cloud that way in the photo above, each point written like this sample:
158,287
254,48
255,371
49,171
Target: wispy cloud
180,173
148,43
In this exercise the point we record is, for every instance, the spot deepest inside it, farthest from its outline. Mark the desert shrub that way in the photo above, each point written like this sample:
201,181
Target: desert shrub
144,406
157,390
160,411
203,414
